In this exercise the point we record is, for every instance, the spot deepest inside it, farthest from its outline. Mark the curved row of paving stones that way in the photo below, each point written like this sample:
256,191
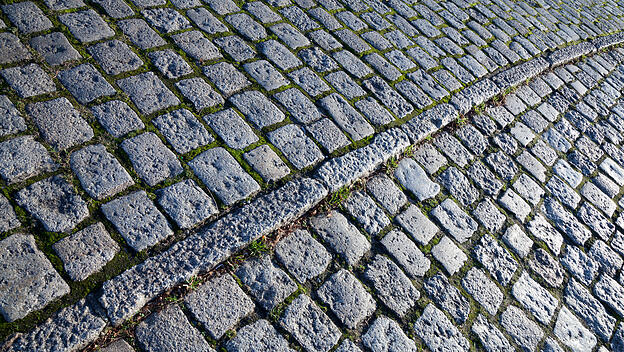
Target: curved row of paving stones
221,87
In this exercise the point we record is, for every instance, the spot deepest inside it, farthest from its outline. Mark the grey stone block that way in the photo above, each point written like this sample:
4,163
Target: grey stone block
495,259
610,293
535,298
226,77
13,49
140,33
414,179
257,108
515,238
231,128
259,336
206,21
296,146
166,20
347,298
28,81
302,255
300,107
450,146
491,338
100,174
11,121
483,290
406,253
186,203
393,287
265,74
458,185
119,345
115,57
454,220
115,9
27,17
328,135
342,236
346,116
289,35
565,221
489,216
197,46
309,325
23,157
266,282
117,118
151,159
385,334
60,123
170,64
8,220
572,333
429,157
236,48
511,201
417,224
267,163
523,330
588,308
345,85
367,213
543,230
438,332
246,26
182,130
87,26
389,97
309,81
447,297
449,255
199,93
386,193
148,92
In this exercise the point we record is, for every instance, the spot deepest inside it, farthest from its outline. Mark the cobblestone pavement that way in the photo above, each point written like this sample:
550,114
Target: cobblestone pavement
311,175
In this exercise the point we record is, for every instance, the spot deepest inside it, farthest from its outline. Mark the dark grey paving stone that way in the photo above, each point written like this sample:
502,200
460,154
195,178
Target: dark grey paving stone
432,325
387,193
54,203
27,17
415,180
231,128
182,130
260,335
389,97
385,334
119,345
309,325
571,331
166,20
219,305
610,293
64,4
246,26
447,297
266,282
236,47
55,48
117,118
347,298
206,21
148,92
298,148
23,157
186,203
99,172
342,236
267,163
9,219
366,212
115,57
535,298
137,220
318,60
417,224
374,112
328,135
223,176
392,286
483,290
495,259
151,159
226,77
115,8
170,64
170,330
148,3
303,256
309,81
523,330
491,338
87,26
588,308
86,252
199,93
598,198
257,108
299,106
197,46
13,49
85,83
265,74
352,64
31,281
140,33
454,220
564,193
28,81
502,165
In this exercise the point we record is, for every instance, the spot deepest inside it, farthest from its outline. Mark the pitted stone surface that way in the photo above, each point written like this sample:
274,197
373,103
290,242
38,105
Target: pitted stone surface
117,118
22,158
182,130
347,298
309,325
60,123
186,203
438,332
342,236
100,174
259,336
302,255
385,334
269,284
28,81
148,92
392,285
151,159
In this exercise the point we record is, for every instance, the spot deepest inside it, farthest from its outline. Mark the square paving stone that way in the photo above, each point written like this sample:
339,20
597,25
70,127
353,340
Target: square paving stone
27,17
12,49
100,174
170,330
196,46
11,120
148,92
226,77
183,130
223,176
151,159
236,48
23,157
296,146
87,26
267,163
406,253
231,127
199,93
265,74
140,33
341,235
137,220
166,20
257,108
219,305
393,287
115,57
186,203
55,48
347,298
449,255
302,255
29,282
266,282
54,203
28,81
8,218
117,118
328,135
86,252
170,64
85,83
259,336
309,325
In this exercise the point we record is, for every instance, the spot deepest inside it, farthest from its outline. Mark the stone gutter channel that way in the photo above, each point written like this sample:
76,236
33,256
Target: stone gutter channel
120,298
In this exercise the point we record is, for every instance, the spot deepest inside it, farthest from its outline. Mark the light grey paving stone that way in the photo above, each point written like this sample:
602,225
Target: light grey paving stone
267,283
182,130
489,216
613,170
170,330
236,48
13,49
119,345
511,201
117,118
54,203
11,120
23,157
137,219
347,298
543,230
265,74
453,149
223,176
257,108
30,281
352,64
309,325
246,26
417,224
259,336
86,251
483,290
588,308
199,93
170,64
27,17
386,192
166,20
298,148
430,159
300,107
381,65
115,57
485,178
524,331
151,159
186,203
535,298
267,163
608,260
491,338
449,255
59,332
8,220
458,185
602,201
346,116
219,304
206,21
547,268
28,81
148,3
60,123
328,135
345,85
348,346
148,92
495,259
388,96
197,46
262,12
438,332
454,220
100,174
309,81
447,297
385,334
414,94
406,253
530,190
393,287
231,128
502,165
522,133
303,256
115,8
579,264
366,212
342,236
515,238
414,179
532,165
140,33
563,192
374,112
87,26
223,7
565,221
572,333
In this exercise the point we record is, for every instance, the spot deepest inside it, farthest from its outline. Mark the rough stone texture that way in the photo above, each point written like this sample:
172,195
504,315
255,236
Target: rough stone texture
342,236
87,26
182,130
449,255
303,256
387,193
186,203
100,174
448,297
117,118
535,298
438,332
259,336
60,123
296,146
28,81
267,283
495,259
115,57
151,159
454,220
483,290
231,128
524,331
347,298
393,287
148,92
572,333
22,158
385,334
491,338
257,108
406,253
267,163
